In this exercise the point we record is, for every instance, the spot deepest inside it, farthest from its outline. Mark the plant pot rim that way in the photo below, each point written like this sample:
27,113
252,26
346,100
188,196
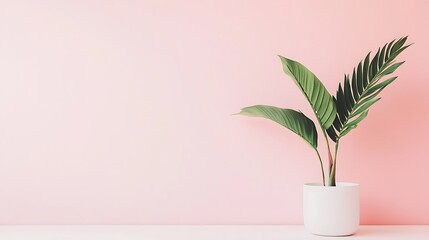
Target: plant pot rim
338,185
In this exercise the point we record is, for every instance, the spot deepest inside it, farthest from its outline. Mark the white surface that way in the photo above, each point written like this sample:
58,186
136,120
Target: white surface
200,232
331,211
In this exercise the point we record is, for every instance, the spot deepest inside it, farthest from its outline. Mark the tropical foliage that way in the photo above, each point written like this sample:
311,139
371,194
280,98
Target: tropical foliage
336,115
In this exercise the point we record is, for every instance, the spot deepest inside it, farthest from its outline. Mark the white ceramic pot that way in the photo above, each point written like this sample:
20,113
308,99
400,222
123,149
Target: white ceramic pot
331,211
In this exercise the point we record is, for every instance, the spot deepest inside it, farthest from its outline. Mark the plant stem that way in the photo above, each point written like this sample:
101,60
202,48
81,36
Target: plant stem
321,166
332,172
331,162
329,152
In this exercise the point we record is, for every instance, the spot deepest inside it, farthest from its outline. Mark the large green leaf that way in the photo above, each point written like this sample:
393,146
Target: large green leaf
295,121
355,97
319,98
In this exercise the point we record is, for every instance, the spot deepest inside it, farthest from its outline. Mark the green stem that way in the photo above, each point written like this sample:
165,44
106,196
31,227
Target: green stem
327,144
321,166
331,162
332,181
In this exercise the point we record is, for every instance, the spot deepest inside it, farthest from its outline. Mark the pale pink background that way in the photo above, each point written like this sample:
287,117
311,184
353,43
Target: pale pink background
119,112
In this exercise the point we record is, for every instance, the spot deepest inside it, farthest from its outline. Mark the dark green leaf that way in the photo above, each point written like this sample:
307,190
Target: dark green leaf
365,70
381,58
340,103
313,89
364,107
293,120
378,86
388,50
399,44
331,133
365,87
346,130
348,96
367,99
391,68
357,120
337,125
374,65
355,85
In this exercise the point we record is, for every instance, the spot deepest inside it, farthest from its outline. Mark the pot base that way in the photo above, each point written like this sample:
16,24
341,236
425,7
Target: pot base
331,211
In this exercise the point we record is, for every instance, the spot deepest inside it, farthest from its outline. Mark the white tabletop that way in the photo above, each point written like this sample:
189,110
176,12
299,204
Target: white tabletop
200,232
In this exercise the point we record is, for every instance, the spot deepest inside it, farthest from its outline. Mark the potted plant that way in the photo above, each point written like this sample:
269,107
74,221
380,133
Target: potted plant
331,208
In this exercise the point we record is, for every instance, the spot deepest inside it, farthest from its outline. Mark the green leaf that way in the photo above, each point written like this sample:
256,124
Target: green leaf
319,98
365,87
357,120
359,78
354,85
293,120
378,86
367,99
395,54
388,50
342,106
399,44
381,58
331,133
346,130
348,94
373,67
365,70
391,68
364,107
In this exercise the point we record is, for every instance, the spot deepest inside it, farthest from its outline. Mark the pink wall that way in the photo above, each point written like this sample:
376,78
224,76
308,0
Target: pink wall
119,112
